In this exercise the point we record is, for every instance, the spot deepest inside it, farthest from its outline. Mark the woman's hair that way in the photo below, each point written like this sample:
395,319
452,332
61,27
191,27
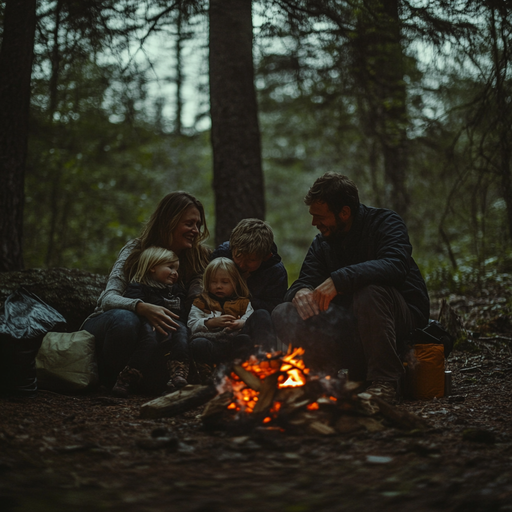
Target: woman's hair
149,258
158,232
239,285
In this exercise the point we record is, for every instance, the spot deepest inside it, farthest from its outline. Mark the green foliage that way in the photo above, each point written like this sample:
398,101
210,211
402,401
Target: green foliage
102,179
468,278
99,160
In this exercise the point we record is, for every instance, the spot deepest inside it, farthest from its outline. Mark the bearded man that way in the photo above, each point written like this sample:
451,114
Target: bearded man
359,293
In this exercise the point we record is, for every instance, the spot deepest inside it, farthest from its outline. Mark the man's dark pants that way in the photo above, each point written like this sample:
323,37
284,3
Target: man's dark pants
362,338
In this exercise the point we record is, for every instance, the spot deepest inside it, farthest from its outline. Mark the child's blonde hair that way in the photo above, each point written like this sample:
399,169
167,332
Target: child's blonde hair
149,258
251,236
239,285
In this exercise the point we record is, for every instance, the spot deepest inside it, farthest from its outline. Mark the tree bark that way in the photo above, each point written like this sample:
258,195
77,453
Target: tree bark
178,124
379,68
235,134
16,57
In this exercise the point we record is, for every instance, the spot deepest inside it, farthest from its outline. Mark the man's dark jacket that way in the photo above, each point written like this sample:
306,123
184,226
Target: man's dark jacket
377,251
268,284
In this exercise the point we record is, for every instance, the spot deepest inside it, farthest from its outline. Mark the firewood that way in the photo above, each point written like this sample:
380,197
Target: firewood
250,379
267,393
289,395
400,418
218,404
371,424
185,399
367,405
317,427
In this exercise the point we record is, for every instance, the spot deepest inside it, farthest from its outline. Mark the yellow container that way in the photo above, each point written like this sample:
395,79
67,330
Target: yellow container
425,377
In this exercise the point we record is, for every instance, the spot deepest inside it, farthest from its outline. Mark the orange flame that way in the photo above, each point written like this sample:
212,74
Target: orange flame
293,373
294,368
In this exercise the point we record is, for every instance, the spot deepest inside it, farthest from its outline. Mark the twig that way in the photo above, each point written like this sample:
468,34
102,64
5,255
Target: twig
470,368
495,338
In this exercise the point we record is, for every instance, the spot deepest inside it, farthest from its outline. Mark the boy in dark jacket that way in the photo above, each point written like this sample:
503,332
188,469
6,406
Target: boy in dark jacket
359,292
251,246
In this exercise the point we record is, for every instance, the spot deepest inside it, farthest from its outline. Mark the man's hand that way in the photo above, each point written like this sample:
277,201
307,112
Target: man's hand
162,319
324,294
305,303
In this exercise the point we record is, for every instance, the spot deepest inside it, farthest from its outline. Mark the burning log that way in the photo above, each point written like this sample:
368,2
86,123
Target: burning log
218,404
267,393
251,380
184,400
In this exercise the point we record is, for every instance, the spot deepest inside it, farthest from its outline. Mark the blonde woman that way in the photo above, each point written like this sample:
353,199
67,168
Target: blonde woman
179,225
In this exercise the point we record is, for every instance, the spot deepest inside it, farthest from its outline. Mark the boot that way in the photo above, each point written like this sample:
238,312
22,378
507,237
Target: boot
205,372
127,381
178,373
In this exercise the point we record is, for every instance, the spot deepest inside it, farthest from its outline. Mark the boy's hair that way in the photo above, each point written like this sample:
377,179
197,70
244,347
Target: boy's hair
336,190
251,236
239,285
149,258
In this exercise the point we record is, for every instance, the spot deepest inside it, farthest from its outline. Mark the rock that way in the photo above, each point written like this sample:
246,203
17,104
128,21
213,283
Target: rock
158,443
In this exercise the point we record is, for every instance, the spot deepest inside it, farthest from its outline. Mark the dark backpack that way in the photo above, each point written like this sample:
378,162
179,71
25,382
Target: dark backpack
434,332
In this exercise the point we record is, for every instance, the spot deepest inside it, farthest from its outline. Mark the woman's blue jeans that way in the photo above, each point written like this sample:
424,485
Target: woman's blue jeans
117,332
123,339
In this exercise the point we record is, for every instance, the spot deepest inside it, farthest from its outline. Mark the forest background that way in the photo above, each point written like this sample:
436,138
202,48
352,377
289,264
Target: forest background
411,99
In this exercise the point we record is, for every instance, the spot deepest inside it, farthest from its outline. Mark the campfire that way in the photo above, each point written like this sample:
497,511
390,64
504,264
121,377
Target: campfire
254,382
277,391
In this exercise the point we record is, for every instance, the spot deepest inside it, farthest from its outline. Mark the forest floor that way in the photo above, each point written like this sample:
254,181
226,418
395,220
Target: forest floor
92,452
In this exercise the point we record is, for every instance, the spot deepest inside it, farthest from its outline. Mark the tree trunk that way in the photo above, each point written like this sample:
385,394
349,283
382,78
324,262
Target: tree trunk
379,70
178,125
15,72
237,171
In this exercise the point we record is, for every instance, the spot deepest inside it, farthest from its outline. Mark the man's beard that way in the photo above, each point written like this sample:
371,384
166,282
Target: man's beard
339,230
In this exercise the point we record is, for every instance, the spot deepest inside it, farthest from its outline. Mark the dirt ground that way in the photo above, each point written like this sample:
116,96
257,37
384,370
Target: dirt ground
92,452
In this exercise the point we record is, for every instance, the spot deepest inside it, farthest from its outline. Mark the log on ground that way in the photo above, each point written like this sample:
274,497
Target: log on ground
187,398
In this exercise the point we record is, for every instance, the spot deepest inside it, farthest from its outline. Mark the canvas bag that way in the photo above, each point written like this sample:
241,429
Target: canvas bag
66,361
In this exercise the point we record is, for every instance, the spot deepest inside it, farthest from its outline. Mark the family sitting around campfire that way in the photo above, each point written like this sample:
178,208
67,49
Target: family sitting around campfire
172,310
